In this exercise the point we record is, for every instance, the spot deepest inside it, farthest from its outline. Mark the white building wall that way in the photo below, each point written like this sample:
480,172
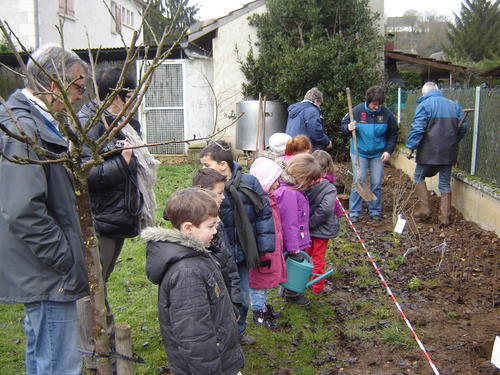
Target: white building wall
226,72
91,16
377,6
199,107
20,16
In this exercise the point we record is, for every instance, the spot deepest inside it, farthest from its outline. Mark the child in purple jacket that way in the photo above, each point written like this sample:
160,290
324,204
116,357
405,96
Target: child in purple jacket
294,212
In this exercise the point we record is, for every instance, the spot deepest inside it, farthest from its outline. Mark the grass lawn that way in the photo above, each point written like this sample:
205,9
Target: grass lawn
304,346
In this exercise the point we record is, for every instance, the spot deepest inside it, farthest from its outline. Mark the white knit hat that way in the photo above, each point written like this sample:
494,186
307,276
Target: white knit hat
277,143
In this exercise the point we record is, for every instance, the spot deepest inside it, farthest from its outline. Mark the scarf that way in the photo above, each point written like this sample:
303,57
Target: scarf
146,176
243,226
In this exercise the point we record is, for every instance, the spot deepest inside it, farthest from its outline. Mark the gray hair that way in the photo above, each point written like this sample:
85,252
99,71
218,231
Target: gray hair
314,94
428,87
51,60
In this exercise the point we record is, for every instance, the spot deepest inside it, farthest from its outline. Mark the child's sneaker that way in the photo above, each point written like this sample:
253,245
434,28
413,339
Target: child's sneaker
297,298
275,314
265,318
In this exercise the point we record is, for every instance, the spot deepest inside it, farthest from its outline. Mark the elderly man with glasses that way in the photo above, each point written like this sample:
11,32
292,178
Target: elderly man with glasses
41,257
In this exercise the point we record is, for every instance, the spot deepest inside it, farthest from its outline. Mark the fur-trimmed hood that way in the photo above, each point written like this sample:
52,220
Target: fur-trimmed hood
166,247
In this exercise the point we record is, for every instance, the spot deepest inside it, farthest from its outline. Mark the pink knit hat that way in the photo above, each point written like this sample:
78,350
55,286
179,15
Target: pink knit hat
266,171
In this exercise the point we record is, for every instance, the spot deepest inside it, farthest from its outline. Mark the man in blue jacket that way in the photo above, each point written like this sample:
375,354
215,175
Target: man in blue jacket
435,135
305,118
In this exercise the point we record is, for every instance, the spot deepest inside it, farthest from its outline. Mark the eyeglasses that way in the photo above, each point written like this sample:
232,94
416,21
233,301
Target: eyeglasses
80,88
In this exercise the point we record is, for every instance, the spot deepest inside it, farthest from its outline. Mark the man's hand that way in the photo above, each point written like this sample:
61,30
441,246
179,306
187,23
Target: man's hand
330,146
385,157
351,126
127,154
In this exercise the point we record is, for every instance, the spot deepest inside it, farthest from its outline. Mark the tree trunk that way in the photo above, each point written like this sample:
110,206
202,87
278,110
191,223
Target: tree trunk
96,282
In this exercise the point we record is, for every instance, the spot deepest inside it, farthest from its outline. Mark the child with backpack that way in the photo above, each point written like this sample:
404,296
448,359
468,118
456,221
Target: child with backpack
271,270
247,219
293,207
196,316
323,221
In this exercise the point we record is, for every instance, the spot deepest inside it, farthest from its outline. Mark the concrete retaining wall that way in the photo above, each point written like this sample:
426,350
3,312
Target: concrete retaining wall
478,202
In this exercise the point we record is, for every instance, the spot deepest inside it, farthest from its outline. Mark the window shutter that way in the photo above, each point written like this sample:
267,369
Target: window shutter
118,18
70,8
62,6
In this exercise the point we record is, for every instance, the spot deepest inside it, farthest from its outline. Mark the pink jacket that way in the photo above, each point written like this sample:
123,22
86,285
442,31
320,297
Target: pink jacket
273,269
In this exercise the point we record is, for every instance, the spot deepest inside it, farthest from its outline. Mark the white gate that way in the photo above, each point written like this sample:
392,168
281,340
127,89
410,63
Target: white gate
162,110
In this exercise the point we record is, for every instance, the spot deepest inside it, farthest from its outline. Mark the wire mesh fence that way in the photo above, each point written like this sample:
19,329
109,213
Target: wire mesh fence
487,161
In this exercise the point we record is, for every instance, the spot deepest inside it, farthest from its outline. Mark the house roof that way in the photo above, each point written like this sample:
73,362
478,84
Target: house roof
200,29
495,72
105,54
419,63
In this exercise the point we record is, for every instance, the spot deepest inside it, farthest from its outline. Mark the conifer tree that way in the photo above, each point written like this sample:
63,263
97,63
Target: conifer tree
323,43
475,34
164,12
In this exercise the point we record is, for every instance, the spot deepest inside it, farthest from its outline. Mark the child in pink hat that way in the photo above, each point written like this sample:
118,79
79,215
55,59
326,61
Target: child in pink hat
271,270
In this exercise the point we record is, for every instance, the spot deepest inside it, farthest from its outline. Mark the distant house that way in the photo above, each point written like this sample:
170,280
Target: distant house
33,21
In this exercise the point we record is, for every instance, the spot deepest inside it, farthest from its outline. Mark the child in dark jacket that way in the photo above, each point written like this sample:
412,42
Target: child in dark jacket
323,222
247,219
210,179
197,321
294,212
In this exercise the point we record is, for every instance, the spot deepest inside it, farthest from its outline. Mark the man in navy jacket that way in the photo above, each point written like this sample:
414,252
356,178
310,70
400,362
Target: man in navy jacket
305,118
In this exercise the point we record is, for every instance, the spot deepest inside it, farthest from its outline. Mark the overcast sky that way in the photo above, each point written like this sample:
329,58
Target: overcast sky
219,8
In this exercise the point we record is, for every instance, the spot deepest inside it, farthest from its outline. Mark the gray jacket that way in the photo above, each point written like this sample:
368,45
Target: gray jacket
196,316
323,223
41,253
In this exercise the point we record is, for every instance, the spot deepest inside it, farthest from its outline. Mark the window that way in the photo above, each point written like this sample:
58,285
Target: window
123,16
67,7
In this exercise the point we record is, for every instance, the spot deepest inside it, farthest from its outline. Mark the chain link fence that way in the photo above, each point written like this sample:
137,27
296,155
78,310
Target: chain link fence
483,159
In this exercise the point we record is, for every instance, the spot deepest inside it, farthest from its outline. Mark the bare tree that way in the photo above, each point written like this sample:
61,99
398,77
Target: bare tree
77,136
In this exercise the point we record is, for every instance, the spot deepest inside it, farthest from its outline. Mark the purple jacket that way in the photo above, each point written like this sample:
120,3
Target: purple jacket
294,212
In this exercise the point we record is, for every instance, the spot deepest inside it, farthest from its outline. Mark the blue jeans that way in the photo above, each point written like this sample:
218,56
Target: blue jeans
258,297
376,167
52,338
245,297
444,177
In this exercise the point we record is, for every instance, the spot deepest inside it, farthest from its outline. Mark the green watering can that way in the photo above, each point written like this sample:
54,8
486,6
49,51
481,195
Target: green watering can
299,273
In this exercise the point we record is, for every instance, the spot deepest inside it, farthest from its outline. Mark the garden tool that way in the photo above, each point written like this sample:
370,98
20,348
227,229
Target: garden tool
362,188
299,273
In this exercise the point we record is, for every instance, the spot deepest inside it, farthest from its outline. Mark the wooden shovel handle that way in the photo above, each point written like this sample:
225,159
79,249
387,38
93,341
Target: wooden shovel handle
351,117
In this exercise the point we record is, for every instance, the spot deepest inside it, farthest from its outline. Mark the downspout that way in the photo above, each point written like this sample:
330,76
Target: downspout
37,23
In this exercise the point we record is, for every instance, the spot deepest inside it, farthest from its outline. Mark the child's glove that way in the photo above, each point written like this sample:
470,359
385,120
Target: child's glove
296,256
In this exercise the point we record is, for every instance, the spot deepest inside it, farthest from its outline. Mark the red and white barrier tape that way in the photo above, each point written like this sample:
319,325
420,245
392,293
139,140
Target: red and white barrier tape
434,368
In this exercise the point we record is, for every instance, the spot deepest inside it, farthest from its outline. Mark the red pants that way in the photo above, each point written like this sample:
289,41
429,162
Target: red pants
317,253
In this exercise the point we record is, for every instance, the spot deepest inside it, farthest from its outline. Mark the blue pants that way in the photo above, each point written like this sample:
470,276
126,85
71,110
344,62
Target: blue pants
245,297
52,339
258,297
376,167
444,177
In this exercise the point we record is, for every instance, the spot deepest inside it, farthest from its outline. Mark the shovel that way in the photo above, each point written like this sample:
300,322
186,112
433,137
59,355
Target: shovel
362,188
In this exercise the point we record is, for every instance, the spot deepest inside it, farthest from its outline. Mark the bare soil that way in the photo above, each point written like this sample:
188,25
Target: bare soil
455,311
